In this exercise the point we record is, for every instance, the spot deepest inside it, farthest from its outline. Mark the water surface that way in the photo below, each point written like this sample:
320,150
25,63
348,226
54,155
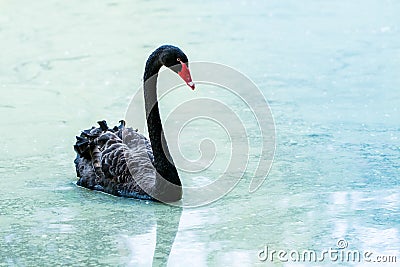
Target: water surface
329,70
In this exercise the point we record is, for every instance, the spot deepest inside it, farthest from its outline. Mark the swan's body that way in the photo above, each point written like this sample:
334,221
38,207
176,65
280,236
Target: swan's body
124,154
121,161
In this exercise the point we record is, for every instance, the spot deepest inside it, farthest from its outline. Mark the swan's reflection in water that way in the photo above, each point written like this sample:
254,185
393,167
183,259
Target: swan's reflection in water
154,247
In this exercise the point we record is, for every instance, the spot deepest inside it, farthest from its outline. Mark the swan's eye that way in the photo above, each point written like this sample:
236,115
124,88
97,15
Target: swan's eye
178,59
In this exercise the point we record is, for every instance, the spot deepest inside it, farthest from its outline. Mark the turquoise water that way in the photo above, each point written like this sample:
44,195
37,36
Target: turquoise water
329,70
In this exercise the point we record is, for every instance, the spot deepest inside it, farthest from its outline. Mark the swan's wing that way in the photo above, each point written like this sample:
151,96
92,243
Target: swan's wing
132,138
127,168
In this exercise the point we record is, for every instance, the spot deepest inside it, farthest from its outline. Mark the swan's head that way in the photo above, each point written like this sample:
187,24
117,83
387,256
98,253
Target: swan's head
172,57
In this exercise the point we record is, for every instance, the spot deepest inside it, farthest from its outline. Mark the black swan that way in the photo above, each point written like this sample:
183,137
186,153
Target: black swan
122,162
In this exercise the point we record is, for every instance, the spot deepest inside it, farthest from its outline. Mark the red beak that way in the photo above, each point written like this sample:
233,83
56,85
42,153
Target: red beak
185,75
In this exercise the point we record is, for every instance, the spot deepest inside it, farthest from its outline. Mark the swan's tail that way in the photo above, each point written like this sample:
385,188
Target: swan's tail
88,148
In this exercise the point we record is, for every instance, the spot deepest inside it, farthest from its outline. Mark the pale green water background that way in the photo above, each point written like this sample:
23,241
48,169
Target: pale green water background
330,70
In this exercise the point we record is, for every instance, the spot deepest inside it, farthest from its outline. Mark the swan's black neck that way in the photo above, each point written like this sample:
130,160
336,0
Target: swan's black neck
163,162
